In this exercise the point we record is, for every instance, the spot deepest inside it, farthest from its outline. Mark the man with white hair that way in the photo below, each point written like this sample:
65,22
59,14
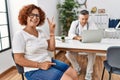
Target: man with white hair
75,32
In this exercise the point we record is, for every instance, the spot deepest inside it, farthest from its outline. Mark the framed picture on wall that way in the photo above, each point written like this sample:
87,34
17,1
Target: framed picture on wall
101,10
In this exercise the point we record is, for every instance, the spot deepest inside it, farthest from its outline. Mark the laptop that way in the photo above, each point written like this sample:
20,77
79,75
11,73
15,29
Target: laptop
92,36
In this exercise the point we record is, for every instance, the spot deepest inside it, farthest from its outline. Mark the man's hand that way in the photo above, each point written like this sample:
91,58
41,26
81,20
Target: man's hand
77,38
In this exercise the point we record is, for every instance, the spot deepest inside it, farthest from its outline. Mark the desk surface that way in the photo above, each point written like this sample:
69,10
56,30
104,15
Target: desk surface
77,46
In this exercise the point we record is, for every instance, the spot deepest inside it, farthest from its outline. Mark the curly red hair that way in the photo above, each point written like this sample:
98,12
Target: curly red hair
26,10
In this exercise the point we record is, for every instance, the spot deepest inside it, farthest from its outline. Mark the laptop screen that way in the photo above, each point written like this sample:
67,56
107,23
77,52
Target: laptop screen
91,36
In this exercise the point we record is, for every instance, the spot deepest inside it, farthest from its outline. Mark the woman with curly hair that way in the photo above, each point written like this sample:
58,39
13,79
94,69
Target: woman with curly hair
30,47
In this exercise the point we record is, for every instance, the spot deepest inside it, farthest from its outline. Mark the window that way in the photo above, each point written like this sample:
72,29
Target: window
4,27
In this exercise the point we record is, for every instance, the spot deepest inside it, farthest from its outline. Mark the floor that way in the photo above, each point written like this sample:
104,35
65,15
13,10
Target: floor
82,59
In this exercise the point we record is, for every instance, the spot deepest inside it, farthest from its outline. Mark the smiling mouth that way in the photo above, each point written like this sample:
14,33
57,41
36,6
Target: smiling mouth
34,21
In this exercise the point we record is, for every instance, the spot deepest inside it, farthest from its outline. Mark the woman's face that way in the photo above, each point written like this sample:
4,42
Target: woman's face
33,18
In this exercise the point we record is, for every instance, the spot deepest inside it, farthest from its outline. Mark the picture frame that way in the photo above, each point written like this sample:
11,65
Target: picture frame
101,10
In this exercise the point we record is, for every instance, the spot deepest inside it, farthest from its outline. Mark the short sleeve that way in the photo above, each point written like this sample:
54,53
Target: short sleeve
18,43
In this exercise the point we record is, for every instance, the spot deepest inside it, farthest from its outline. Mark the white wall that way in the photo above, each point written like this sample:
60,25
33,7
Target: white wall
111,6
5,60
49,6
14,7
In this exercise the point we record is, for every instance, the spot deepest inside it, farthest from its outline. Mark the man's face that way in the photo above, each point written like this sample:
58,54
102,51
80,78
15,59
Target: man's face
83,19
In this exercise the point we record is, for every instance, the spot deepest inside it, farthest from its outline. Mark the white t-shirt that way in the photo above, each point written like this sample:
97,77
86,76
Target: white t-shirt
76,27
35,48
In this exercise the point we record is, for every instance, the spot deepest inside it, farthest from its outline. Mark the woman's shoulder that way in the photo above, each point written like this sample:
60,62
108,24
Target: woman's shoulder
43,33
20,34
39,30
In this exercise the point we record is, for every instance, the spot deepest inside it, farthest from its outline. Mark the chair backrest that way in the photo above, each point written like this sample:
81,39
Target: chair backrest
113,56
19,68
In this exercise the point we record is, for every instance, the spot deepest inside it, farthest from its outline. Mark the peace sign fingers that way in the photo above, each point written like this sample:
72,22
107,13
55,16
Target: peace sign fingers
51,25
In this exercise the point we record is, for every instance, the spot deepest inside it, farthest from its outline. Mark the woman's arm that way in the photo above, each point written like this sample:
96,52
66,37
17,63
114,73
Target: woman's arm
51,41
21,60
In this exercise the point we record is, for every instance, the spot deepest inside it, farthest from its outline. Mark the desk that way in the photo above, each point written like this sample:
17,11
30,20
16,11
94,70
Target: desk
77,46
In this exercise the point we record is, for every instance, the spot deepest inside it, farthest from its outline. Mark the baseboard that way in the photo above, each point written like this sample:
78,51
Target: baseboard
8,70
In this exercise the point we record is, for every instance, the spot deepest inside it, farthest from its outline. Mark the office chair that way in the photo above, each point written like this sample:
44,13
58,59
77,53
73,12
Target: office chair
19,68
112,64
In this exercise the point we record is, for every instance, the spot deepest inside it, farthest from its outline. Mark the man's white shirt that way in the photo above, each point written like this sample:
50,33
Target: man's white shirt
76,26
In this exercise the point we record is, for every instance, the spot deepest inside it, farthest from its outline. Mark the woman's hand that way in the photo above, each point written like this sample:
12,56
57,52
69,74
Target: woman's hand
51,25
45,65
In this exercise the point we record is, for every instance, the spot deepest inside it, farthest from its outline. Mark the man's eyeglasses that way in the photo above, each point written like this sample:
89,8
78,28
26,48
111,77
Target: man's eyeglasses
34,15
